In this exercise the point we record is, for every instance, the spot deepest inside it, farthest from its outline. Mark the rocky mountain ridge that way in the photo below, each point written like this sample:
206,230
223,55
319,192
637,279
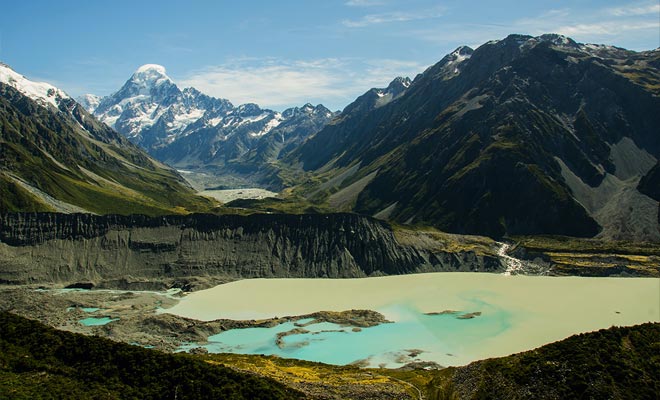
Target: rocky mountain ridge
525,135
55,156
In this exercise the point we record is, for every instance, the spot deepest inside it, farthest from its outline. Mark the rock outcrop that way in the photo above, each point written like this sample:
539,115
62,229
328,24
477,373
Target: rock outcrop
115,250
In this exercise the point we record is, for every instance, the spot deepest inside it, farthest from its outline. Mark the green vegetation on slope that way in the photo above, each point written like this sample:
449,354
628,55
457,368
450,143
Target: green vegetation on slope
591,257
70,156
285,205
38,362
326,381
615,363
14,198
436,240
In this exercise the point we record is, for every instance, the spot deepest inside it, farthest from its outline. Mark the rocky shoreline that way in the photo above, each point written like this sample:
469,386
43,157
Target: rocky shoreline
138,317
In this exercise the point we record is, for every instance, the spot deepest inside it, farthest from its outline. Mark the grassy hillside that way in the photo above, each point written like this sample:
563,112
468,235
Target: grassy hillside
615,363
38,362
52,159
591,257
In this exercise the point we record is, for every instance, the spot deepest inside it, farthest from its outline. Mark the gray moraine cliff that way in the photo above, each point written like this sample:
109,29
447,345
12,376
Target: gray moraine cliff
196,251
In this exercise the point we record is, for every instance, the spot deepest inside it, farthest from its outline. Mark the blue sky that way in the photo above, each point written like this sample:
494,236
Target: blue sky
283,53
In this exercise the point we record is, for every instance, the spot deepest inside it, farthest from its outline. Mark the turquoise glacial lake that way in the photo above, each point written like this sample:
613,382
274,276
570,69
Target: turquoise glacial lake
516,313
425,337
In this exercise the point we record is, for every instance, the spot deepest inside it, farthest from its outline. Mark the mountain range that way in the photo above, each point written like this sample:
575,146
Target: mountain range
55,156
195,132
525,135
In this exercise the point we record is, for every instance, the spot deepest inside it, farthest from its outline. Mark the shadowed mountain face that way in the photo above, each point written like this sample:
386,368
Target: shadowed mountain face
650,185
54,156
525,135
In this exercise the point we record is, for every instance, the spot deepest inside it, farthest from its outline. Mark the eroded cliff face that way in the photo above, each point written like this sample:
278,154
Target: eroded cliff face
115,251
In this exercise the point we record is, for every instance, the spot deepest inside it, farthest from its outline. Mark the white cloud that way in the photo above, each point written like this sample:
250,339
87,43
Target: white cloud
608,28
629,27
639,9
380,72
279,84
268,83
395,16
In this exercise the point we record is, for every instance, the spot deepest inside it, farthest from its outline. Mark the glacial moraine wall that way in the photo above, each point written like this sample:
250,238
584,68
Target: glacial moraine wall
115,250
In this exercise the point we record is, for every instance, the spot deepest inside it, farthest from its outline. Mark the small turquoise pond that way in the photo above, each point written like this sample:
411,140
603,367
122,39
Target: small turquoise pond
97,321
85,309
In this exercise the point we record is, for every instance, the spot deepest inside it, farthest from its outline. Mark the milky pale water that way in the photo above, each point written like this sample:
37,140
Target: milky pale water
518,313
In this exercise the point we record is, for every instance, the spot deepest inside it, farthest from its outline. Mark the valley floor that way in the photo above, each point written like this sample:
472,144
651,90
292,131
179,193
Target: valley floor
227,195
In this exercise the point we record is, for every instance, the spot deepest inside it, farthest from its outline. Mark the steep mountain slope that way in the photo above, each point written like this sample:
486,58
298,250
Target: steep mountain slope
650,183
377,97
192,131
56,156
524,135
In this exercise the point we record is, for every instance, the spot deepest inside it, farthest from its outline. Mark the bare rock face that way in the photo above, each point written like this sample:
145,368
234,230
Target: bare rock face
114,250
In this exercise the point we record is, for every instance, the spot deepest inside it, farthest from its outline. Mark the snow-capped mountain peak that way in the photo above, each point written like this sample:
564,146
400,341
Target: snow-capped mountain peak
557,40
43,93
306,111
150,74
89,101
188,129
149,80
399,84
151,68
395,89
461,54
308,107
147,96
452,64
